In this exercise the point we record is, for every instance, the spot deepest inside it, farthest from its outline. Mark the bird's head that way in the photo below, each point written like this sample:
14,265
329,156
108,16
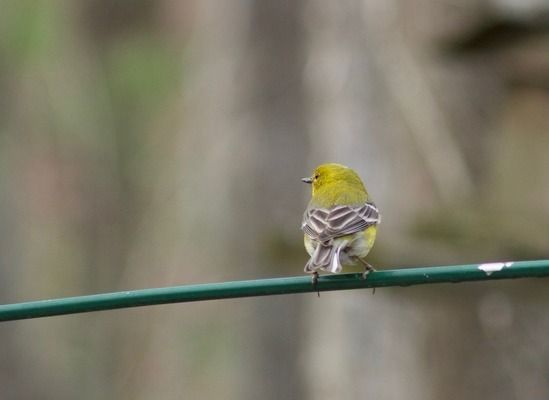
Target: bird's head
332,178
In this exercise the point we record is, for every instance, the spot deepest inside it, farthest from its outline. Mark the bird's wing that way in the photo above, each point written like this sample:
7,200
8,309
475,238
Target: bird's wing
325,224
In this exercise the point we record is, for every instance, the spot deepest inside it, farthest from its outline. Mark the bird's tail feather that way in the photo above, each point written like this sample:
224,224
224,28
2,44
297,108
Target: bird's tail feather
326,257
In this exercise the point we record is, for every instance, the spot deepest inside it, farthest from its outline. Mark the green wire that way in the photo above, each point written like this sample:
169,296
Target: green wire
266,287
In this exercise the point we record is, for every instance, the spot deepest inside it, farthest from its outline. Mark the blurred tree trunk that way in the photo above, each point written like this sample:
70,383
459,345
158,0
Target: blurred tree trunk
358,343
242,151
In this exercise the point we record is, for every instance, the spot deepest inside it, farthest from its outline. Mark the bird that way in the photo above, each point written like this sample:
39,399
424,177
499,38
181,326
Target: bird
340,222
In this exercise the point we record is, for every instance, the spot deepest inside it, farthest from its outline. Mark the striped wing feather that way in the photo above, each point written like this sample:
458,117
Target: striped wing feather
323,224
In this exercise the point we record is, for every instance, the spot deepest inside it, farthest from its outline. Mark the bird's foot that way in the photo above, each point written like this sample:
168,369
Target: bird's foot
367,269
314,281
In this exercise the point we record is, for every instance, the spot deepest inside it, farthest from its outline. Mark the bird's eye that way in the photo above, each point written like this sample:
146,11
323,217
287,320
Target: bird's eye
316,176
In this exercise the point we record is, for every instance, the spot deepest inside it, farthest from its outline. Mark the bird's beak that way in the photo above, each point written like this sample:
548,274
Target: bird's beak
307,180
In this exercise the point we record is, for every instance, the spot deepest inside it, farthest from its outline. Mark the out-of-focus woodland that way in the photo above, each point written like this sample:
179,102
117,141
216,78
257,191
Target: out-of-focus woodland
147,144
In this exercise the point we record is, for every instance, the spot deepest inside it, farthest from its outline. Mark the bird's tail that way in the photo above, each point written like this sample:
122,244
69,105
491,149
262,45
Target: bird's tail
326,258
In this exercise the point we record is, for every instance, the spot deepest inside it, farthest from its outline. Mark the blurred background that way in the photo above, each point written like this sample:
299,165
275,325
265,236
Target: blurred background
155,143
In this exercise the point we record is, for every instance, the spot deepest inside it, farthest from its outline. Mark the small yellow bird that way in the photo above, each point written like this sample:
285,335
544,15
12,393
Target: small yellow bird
340,222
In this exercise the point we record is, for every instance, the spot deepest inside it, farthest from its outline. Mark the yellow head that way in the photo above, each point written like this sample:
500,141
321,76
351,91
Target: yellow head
336,184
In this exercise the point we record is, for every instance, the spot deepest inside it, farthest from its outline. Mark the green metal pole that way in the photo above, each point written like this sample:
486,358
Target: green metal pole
265,287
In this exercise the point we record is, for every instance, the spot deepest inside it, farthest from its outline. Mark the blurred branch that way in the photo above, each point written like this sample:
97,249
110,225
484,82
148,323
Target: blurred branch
275,286
498,33
413,96
404,73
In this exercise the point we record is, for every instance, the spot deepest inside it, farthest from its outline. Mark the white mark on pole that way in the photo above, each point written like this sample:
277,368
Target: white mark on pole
494,267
